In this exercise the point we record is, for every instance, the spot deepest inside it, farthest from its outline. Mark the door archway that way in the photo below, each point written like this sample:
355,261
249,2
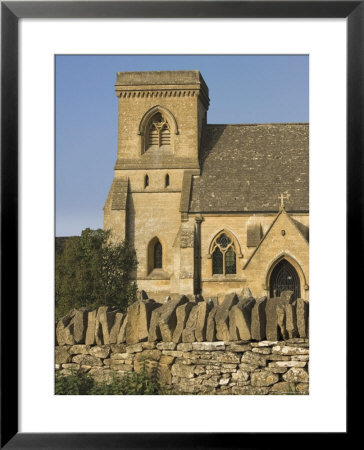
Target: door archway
284,278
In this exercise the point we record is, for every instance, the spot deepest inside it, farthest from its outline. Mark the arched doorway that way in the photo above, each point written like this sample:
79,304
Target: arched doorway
284,278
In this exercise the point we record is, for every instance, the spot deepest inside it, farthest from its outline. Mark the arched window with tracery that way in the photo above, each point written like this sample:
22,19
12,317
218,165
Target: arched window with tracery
158,131
223,255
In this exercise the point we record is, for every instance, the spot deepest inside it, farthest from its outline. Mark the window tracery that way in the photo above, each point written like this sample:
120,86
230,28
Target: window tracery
223,255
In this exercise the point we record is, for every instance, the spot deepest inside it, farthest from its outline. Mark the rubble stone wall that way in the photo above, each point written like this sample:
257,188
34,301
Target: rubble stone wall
192,345
265,367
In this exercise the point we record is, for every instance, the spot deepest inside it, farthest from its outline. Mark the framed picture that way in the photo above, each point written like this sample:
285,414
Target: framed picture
12,46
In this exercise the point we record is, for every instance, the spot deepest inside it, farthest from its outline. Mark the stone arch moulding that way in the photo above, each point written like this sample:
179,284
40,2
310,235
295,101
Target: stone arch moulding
150,113
230,234
150,253
296,265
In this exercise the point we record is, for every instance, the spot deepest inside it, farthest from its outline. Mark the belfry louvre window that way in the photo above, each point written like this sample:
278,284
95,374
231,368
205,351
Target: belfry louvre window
159,133
223,256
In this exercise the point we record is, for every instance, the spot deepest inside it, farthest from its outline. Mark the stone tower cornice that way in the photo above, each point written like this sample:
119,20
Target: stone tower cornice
162,84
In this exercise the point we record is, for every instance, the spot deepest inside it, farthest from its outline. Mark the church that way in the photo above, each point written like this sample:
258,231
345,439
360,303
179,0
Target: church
209,208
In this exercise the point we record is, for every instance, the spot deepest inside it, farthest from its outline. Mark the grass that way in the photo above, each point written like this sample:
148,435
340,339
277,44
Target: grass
143,382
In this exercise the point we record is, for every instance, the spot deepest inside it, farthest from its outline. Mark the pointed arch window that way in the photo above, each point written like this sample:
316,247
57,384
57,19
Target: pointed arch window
146,181
158,132
223,255
157,255
167,180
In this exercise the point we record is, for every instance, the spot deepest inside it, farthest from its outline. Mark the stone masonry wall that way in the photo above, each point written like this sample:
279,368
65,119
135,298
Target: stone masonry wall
243,346
265,367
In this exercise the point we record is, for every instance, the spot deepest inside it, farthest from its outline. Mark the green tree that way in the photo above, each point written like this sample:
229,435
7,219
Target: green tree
91,271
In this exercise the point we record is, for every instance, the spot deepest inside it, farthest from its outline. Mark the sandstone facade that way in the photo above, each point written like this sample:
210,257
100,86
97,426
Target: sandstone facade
180,184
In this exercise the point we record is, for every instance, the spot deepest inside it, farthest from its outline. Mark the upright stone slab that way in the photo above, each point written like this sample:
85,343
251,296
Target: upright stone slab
168,319
188,334
201,323
182,314
103,324
302,318
154,330
258,320
122,332
271,316
139,316
91,323
108,324
132,327
116,327
286,297
65,329
80,325
222,317
98,327
272,332
240,320
233,331
211,326
281,321
291,320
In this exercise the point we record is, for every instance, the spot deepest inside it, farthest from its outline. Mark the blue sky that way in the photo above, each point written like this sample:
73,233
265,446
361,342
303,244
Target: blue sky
243,89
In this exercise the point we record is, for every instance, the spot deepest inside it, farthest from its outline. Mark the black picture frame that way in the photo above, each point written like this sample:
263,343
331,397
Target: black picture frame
11,12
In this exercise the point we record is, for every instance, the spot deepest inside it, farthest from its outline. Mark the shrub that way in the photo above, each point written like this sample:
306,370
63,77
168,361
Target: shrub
77,383
91,271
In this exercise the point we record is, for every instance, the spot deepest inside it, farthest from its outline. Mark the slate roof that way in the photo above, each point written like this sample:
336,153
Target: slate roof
246,168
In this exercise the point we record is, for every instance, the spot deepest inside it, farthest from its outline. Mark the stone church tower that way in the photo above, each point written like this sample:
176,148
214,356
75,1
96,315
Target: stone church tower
209,209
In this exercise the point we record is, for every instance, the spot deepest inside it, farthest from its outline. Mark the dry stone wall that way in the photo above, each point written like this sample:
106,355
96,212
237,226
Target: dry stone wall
192,345
265,367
